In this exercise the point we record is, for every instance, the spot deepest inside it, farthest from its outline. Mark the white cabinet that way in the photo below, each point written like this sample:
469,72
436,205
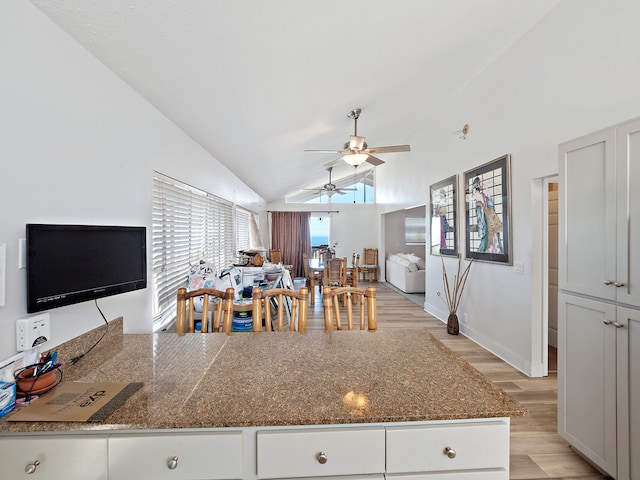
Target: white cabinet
461,449
599,217
53,458
599,383
628,362
205,456
587,378
321,452
599,275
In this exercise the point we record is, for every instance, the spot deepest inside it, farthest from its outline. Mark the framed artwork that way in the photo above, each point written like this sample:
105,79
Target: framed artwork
488,211
444,220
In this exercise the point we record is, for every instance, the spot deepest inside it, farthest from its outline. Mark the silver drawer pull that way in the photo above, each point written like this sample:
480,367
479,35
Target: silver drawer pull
618,325
172,463
618,284
607,322
322,458
608,282
31,468
450,452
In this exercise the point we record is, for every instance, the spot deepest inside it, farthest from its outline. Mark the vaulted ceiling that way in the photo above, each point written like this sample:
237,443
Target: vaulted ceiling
255,83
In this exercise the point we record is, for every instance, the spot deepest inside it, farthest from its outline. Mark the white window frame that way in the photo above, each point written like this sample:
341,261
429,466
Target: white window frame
189,225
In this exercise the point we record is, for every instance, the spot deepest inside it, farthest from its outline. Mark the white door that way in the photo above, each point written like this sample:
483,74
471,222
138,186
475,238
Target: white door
628,204
587,216
587,378
628,321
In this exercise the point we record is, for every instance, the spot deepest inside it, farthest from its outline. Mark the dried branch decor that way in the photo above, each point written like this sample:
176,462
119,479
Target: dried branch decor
452,296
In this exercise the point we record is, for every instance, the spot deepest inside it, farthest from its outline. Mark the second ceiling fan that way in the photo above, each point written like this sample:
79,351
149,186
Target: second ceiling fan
356,151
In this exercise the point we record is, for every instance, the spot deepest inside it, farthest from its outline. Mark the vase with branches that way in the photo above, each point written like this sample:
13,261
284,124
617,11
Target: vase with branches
453,293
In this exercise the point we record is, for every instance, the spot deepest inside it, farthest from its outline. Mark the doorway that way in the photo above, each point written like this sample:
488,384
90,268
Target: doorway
544,299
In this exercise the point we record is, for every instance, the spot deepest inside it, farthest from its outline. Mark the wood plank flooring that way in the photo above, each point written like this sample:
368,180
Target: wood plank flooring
537,451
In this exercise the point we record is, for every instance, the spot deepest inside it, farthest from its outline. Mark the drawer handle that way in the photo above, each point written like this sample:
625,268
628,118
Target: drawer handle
607,322
608,282
322,458
172,463
450,452
618,325
31,468
618,284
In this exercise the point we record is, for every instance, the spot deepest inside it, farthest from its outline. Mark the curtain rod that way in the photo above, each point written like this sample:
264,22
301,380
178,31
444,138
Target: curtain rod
310,211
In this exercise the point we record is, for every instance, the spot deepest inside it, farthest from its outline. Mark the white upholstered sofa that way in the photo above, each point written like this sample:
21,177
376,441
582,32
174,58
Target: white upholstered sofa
406,272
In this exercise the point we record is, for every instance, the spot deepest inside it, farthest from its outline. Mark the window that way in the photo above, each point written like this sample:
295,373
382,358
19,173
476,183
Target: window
362,182
189,225
242,229
319,230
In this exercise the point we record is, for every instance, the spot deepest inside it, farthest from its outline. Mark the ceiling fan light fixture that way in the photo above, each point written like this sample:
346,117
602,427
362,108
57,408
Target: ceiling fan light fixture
356,142
355,159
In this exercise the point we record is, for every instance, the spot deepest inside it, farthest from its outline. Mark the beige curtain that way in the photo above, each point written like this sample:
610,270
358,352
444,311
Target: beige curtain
290,233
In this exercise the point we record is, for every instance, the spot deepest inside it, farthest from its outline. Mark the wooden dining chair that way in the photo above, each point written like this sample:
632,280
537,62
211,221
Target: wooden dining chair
369,265
366,299
275,255
314,278
222,315
351,271
288,304
334,272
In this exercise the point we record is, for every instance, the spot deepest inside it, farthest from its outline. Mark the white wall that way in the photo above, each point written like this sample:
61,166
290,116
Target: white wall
577,71
354,227
79,146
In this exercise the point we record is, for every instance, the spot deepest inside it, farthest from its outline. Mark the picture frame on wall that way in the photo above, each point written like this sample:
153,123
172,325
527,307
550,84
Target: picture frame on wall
444,217
488,211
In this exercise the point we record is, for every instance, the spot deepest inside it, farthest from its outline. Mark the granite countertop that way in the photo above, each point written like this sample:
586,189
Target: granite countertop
268,379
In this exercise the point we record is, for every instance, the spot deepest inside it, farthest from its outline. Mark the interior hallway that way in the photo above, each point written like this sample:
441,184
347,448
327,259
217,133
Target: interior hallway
537,451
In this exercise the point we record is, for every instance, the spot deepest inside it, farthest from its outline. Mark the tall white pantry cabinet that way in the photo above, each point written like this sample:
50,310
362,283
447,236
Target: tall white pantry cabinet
599,299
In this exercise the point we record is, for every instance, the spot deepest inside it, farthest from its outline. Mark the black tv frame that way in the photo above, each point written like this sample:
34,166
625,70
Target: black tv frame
88,262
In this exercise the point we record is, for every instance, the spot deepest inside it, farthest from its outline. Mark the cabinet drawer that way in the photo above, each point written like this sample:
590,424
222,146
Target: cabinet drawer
464,475
299,453
477,445
197,456
71,458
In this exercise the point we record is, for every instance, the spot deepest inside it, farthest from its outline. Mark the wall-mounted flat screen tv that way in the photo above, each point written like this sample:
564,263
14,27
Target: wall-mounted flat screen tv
68,264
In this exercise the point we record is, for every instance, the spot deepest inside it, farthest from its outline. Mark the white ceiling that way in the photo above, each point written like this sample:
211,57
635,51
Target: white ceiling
257,82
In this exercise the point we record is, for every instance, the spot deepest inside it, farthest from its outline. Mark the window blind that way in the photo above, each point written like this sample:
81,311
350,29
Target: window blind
189,225
242,229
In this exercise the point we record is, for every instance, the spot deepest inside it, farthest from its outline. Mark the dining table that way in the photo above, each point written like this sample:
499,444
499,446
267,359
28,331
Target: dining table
316,271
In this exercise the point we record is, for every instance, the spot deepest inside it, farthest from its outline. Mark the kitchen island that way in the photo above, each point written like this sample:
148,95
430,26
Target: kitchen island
275,405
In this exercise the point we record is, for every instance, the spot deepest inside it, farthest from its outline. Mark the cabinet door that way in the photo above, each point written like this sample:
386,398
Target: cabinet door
587,378
320,452
49,458
202,456
628,393
628,205
587,215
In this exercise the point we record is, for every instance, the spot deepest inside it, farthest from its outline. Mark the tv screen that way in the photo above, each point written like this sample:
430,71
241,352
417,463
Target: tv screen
68,264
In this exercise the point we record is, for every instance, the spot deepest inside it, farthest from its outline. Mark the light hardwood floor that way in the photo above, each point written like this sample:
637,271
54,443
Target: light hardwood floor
537,451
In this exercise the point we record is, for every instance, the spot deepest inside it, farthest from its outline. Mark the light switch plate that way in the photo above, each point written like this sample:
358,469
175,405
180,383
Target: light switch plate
518,267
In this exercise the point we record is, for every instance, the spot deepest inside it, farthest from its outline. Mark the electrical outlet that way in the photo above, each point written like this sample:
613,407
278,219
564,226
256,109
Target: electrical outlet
518,267
465,319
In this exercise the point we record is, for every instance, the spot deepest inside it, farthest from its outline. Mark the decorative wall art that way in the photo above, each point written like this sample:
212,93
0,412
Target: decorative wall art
488,211
444,221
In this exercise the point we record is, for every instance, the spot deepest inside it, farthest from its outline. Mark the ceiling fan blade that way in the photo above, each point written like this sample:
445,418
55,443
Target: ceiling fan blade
324,151
332,162
375,161
389,149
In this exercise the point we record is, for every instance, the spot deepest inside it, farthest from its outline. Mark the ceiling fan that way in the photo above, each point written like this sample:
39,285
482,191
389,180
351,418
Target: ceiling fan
330,189
356,151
